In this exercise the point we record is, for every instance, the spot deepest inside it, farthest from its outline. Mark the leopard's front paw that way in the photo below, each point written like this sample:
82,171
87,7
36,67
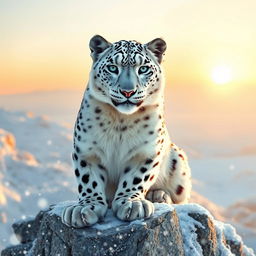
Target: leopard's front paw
79,216
158,196
129,210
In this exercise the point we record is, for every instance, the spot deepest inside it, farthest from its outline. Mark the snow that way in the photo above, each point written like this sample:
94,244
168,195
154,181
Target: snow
188,228
32,175
189,225
36,170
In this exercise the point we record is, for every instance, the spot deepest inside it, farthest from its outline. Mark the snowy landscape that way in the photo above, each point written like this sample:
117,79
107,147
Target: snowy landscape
36,170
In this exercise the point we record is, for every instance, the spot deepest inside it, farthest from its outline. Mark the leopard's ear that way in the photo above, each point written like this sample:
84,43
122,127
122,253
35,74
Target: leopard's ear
97,45
157,47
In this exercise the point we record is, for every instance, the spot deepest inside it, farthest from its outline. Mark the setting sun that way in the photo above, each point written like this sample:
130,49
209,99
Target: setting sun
222,75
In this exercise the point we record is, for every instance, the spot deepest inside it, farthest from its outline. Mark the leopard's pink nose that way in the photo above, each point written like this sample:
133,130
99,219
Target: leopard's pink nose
127,94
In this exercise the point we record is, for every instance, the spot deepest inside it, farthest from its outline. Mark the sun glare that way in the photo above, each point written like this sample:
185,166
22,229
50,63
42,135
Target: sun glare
222,75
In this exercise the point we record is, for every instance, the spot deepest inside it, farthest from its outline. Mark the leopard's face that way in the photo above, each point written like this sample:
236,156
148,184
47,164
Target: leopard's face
125,74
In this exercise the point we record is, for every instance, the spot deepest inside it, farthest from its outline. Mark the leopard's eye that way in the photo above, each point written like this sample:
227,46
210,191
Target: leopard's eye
112,69
143,69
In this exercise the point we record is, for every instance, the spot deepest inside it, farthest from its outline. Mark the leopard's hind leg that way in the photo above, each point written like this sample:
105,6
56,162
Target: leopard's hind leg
174,180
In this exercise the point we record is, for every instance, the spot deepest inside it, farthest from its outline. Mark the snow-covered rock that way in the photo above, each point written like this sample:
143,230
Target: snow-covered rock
187,230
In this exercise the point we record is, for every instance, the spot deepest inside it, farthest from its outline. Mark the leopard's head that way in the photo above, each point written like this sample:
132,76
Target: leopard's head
126,74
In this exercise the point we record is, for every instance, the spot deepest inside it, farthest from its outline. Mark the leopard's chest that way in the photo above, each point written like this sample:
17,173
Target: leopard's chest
114,138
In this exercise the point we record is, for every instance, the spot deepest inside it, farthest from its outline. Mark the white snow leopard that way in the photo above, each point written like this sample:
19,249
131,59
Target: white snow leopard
123,157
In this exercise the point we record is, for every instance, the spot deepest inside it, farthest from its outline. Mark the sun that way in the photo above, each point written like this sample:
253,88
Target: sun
222,75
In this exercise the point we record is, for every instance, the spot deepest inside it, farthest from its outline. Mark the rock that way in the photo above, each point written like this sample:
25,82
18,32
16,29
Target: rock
206,234
26,231
172,230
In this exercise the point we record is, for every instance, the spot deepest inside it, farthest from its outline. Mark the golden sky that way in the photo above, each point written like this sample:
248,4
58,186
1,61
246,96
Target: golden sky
44,44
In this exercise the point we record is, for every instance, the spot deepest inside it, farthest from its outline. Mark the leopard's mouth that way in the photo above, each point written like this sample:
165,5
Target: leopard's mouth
126,102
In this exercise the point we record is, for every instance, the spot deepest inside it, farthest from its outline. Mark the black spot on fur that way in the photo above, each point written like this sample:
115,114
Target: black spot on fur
84,194
89,190
148,161
127,190
77,149
94,184
77,173
101,167
102,177
124,184
174,163
146,177
85,178
97,110
151,132
136,180
127,169
143,169
99,198
124,128
155,164
80,188
95,194
83,163
75,156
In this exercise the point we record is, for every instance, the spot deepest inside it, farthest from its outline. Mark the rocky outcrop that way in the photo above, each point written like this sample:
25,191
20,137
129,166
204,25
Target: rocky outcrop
173,230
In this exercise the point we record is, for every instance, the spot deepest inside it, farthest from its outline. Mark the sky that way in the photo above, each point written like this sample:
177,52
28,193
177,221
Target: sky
44,44
209,63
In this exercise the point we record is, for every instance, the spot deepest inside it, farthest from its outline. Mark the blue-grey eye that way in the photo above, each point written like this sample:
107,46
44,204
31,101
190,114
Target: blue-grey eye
112,69
143,69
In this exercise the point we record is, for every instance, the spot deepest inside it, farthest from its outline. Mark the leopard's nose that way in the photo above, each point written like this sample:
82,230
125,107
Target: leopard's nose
127,94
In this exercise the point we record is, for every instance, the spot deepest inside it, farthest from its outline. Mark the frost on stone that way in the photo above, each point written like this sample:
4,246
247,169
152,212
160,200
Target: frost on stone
188,229
224,232
14,240
229,231
230,234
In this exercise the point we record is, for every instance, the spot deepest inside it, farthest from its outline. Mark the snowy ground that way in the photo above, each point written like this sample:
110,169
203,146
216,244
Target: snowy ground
35,167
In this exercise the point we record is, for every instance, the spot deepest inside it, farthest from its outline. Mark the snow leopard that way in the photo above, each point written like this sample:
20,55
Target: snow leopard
123,156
